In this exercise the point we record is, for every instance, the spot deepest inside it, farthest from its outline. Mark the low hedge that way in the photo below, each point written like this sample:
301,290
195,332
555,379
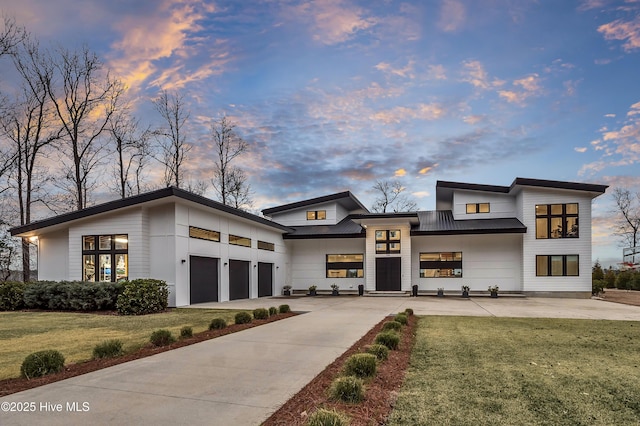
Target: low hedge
41,363
71,295
12,295
143,296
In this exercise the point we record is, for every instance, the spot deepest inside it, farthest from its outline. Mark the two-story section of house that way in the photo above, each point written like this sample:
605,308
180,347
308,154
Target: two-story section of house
532,237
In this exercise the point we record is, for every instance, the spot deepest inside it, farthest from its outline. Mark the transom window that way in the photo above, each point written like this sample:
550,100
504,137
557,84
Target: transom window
105,258
565,265
239,241
441,265
473,208
557,221
316,214
204,234
345,265
388,241
263,245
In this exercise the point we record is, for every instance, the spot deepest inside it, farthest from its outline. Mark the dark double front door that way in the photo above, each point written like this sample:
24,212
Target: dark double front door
388,274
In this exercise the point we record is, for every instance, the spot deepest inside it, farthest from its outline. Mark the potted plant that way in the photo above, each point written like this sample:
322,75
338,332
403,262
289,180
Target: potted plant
334,290
465,291
286,290
493,289
312,290
440,291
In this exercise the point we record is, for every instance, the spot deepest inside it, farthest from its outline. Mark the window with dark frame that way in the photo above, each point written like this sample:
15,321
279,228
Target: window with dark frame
316,215
105,258
388,241
556,221
566,265
263,245
204,234
239,241
473,208
345,266
441,265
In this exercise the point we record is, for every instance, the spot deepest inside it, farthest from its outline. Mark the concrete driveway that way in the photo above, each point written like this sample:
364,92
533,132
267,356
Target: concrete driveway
239,379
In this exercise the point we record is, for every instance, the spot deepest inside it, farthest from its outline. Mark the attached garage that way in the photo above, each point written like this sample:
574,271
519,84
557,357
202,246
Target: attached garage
238,279
203,274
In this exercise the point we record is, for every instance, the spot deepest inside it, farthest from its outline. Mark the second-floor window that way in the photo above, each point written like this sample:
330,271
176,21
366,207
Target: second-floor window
316,214
473,208
557,221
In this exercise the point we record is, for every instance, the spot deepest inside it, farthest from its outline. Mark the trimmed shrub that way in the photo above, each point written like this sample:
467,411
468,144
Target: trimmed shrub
380,351
402,319
324,417
408,311
284,309
162,337
273,311
186,332
243,318
72,295
41,363
260,313
347,389
143,296
389,339
12,295
108,349
391,326
218,324
360,365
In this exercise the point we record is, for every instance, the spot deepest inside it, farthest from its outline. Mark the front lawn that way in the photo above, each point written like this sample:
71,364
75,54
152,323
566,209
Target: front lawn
504,371
76,334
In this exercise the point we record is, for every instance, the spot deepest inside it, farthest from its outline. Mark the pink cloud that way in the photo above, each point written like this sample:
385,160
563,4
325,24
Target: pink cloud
627,31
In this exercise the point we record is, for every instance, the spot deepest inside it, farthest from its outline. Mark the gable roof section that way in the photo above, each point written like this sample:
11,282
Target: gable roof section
441,222
346,228
346,199
542,183
140,199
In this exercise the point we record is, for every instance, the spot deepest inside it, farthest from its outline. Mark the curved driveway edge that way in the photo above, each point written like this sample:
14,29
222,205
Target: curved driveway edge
241,378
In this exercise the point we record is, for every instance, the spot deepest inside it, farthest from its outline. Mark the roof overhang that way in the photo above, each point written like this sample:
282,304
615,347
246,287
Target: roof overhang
346,199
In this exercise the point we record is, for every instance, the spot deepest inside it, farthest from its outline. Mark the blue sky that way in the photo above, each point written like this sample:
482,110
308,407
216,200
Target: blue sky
333,95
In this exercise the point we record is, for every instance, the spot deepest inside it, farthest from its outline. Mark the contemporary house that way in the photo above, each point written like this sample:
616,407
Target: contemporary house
532,237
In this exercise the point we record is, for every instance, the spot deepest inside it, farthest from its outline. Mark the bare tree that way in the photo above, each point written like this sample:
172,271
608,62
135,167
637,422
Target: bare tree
83,102
133,150
229,182
29,126
627,223
11,35
391,197
173,146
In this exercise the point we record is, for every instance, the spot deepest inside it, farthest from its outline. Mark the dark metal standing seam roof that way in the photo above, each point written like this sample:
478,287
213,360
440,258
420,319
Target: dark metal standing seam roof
346,228
441,222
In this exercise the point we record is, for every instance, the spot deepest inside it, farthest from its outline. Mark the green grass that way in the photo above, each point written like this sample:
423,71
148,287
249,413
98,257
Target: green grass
76,334
504,371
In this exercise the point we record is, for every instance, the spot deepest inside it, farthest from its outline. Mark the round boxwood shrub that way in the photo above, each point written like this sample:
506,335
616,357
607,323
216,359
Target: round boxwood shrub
401,318
12,295
360,365
284,309
260,313
218,324
389,339
408,311
324,417
108,349
391,326
273,310
347,389
162,337
143,296
243,318
381,352
186,332
41,363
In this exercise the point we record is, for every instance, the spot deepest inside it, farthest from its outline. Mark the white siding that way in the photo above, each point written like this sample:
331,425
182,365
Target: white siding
298,217
532,246
308,262
405,254
53,256
486,260
500,205
162,251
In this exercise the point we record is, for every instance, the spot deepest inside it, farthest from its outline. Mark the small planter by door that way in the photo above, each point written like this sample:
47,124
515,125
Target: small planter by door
465,293
494,294
440,293
312,293
287,292
335,293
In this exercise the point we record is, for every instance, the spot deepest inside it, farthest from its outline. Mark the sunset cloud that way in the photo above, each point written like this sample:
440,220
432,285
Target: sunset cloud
474,73
452,15
333,21
621,30
400,114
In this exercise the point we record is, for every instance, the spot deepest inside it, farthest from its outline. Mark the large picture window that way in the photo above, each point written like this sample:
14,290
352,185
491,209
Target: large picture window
105,258
441,265
557,221
345,265
388,241
557,265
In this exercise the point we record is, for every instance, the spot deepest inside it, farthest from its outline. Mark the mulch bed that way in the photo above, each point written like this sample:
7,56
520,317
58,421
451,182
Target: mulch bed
381,391
628,297
9,386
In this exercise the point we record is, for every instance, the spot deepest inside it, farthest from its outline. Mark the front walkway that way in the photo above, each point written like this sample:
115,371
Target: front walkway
239,379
